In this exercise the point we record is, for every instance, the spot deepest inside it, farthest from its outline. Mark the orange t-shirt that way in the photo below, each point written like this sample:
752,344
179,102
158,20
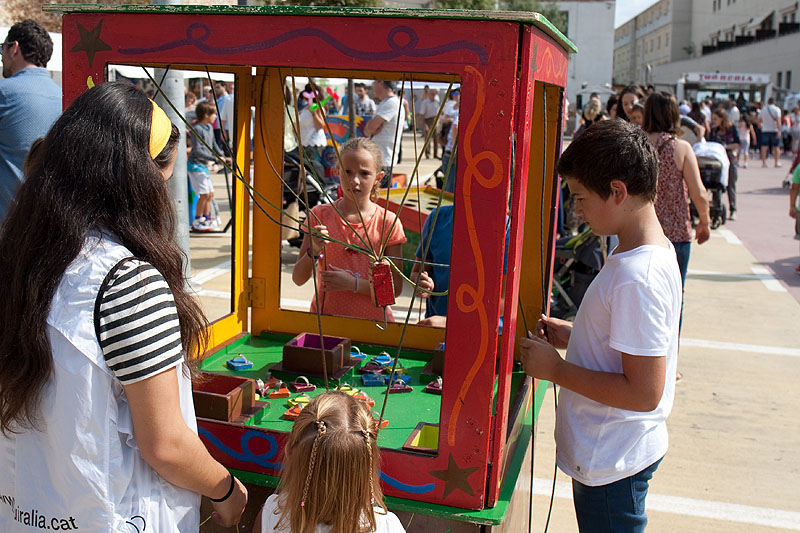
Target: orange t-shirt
347,303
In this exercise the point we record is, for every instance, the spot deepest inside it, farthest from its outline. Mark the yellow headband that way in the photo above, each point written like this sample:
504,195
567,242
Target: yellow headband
160,130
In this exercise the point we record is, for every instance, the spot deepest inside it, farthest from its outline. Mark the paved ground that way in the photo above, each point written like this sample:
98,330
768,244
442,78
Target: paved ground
735,447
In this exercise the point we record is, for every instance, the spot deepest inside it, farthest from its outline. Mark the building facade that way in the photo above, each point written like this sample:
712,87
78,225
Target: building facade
727,39
658,35
590,25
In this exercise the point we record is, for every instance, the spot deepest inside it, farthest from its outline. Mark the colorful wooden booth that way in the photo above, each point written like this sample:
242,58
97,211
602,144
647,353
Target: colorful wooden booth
512,69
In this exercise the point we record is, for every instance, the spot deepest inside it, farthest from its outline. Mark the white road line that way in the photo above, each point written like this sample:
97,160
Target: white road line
767,279
209,293
735,346
759,273
723,511
729,236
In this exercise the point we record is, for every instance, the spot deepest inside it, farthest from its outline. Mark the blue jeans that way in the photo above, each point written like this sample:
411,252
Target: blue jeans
450,185
614,508
682,251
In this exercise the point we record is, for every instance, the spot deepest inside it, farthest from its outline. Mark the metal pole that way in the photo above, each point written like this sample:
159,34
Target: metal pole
351,109
173,88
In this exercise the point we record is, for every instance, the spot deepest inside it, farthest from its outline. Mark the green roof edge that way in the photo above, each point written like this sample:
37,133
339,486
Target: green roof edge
523,17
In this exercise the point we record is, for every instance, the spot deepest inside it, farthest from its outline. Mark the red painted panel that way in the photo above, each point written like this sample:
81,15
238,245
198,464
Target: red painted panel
522,126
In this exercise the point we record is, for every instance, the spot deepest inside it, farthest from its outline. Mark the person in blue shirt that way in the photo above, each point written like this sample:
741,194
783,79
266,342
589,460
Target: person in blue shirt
436,276
30,101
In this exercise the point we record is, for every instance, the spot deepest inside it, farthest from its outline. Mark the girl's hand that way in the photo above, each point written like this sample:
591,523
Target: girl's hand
793,211
554,330
337,279
318,244
425,282
539,359
228,513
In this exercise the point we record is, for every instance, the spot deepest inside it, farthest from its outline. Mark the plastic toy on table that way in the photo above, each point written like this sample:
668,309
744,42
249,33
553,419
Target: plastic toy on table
303,399
435,386
356,353
399,386
293,412
301,384
239,362
347,389
364,398
279,390
373,379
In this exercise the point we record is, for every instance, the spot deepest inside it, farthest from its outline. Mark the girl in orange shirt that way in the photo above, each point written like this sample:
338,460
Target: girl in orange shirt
343,273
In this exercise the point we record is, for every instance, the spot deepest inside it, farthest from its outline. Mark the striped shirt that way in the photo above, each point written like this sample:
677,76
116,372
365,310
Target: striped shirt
136,322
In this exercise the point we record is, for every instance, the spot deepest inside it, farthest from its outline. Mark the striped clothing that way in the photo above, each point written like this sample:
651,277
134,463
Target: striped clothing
136,322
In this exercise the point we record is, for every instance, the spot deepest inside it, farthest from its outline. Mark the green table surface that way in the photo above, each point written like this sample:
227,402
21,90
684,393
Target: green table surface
403,410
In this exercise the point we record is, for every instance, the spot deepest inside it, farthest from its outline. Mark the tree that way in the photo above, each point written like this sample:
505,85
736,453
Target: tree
551,11
479,5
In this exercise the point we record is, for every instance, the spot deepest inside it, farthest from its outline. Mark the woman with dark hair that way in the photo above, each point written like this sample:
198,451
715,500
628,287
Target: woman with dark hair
99,336
611,106
697,115
724,133
630,96
678,178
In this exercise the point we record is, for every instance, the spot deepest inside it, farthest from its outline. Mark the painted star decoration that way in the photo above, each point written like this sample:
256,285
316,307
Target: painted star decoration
454,477
90,42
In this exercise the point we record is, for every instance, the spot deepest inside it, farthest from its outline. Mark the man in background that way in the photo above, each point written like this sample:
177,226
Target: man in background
30,101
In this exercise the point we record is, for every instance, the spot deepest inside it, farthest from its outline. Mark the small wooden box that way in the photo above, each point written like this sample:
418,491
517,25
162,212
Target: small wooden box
301,354
224,398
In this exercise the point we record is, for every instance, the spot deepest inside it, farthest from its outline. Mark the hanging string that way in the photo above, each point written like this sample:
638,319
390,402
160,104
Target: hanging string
309,212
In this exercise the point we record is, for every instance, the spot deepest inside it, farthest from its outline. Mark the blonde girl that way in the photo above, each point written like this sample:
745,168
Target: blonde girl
329,481
343,280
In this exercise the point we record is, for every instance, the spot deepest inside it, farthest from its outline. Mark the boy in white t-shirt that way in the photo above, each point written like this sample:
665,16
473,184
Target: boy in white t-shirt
618,379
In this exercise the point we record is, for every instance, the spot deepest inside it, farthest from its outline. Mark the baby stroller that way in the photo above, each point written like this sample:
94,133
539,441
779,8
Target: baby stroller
578,260
714,167
320,191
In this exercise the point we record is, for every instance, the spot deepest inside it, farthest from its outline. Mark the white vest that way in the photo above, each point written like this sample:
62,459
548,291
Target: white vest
83,470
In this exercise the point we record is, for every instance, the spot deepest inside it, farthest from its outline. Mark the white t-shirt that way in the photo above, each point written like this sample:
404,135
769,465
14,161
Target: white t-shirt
770,117
632,306
309,134
270,515
430,107
389,110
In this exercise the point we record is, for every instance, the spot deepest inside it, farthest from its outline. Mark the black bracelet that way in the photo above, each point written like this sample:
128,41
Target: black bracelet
227,494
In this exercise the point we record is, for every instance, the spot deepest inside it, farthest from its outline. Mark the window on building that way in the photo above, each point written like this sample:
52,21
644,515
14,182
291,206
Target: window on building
714,6
780,78
666,40
788,79
658,46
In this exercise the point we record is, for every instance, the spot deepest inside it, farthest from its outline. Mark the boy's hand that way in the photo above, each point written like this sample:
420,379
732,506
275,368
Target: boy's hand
539,359
425,283
554,330
337,279
793,211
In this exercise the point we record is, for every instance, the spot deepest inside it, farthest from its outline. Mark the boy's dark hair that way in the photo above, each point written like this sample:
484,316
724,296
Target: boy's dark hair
661,113
34,42
205,109
612,150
